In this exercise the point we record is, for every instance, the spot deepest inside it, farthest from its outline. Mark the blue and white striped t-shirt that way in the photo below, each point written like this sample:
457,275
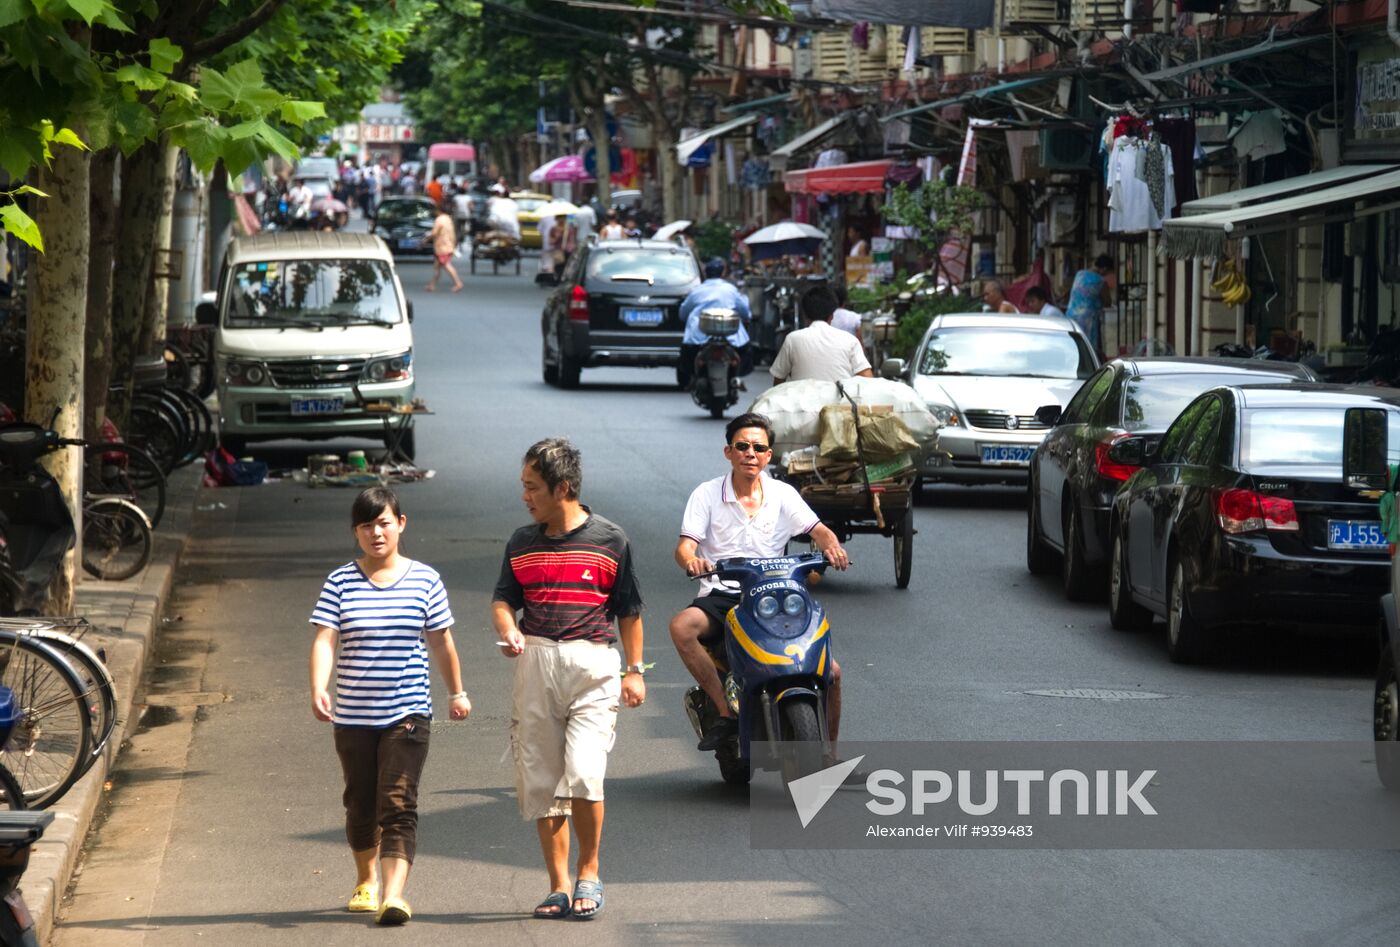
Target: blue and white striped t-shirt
381,674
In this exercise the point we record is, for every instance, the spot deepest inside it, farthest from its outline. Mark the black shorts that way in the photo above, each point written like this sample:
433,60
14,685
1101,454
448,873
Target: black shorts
716,607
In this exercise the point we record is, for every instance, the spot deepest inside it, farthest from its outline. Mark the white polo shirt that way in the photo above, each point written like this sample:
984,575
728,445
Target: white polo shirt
822,352
718,522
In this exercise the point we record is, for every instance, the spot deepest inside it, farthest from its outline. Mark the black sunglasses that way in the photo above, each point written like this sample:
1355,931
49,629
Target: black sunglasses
743,447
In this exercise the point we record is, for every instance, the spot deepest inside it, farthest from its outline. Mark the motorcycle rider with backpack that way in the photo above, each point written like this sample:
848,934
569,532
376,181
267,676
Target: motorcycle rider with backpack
715,292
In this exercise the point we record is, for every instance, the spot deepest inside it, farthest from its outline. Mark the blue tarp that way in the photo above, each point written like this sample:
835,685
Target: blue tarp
963,14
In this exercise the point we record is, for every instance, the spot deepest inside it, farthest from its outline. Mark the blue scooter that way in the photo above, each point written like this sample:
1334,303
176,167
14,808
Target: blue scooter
776,667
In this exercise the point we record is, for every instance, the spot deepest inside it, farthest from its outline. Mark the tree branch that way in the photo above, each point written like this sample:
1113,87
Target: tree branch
202,50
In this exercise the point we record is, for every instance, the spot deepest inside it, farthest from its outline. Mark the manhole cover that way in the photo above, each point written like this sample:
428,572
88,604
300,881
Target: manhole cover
1097,693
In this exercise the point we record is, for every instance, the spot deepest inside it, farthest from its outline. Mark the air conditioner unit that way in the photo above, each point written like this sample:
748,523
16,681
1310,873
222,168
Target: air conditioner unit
1015,12
1095,14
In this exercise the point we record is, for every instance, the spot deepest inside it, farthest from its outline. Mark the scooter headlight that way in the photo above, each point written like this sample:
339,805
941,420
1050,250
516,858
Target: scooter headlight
767,607
793,604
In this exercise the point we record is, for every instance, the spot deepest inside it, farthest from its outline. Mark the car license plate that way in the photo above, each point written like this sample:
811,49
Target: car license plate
641,317
1355,534
302,407
409,244
1007,455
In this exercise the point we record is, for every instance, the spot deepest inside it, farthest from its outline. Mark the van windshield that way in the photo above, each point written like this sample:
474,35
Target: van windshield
312,294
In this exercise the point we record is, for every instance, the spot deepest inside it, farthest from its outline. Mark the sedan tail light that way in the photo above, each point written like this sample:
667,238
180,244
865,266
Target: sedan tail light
578,305
1109,468
1244,511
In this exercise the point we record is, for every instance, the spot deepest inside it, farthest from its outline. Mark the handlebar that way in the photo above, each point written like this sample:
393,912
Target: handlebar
815,558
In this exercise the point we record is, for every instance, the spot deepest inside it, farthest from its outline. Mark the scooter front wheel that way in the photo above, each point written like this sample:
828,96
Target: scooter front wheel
800,749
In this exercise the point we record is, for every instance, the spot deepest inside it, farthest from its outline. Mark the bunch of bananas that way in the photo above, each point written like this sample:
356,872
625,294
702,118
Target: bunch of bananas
1231,285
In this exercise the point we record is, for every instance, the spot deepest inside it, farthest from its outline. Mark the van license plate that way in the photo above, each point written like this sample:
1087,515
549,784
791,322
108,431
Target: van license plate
1355,534
641,317
301,407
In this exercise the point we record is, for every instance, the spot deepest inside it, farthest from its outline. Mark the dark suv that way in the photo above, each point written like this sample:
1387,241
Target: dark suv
617,303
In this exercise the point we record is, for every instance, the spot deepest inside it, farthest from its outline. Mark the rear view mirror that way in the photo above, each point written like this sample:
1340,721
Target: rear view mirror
206,314
1365,449
1048,415
892,368
410,309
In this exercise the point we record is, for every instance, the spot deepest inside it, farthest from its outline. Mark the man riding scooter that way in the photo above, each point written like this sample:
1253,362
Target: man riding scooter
744,513
715,292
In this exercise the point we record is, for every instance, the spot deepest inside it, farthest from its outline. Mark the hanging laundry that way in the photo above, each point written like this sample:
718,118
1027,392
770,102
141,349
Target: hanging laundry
1179,135
1132,207
904,172
1154,172
830,158
860,36
911,48
754,175
1259,136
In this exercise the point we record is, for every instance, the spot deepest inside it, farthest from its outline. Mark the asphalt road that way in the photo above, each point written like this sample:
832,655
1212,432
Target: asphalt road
227,826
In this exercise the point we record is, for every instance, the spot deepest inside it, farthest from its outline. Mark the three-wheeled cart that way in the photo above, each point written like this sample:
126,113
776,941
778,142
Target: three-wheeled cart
497,246
882,507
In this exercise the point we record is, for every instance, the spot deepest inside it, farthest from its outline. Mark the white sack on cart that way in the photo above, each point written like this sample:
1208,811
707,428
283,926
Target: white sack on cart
795,408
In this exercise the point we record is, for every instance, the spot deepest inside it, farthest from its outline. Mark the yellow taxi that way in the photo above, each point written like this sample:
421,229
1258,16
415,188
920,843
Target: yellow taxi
528,202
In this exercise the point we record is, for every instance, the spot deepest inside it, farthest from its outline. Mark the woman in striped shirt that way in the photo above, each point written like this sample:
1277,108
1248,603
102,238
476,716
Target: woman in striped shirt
383,611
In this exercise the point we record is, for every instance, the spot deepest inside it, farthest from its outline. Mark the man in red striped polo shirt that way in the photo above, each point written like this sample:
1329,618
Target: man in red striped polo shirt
570,574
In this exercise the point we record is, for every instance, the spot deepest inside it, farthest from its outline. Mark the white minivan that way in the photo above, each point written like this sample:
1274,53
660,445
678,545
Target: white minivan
312,327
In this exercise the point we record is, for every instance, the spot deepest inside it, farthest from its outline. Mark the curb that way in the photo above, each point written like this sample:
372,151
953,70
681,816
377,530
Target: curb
126,616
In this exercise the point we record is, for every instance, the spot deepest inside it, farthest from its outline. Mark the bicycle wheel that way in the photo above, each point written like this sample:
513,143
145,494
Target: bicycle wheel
99,689
116,539
11,795
46,749
177,416
201,421
121,470
153,432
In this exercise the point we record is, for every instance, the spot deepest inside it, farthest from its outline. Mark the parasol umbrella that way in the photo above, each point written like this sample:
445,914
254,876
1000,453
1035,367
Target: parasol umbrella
555,209
670,230
785,238
569,168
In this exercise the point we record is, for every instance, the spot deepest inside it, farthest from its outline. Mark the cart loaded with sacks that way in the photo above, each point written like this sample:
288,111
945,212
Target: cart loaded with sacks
852,449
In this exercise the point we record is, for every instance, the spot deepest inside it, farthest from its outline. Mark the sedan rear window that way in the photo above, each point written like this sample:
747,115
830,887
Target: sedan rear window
647,267
1300,437
1030,353
1153,402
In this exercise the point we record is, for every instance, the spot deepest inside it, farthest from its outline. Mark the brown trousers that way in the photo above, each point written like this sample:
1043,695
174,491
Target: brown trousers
382,766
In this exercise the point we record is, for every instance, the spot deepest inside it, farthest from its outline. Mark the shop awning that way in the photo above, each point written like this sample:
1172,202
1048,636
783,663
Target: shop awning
1231,200
812,135
1269,45
862,177
1207,235
973,94
964,14
688,147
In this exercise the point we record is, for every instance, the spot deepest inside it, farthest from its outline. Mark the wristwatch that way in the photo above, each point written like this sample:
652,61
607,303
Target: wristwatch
636,669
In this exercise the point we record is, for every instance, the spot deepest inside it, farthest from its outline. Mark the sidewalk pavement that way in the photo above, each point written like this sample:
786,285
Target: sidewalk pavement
126,616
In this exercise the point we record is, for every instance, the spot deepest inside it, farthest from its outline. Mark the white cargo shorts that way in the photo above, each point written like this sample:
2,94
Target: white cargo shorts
563,722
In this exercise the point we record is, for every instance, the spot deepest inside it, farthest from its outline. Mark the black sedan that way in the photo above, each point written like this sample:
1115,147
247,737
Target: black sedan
1072,481
405,224
617,303
1240,514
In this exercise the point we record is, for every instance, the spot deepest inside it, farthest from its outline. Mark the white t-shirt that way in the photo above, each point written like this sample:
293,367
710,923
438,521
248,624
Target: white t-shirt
1050,309
846,321
820,351
612,232
723,529
585,220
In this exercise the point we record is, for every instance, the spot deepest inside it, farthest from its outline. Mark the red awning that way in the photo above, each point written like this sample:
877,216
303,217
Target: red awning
863,177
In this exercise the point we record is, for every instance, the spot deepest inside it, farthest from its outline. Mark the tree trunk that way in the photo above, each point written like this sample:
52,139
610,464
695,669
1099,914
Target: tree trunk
672,176
54,353
135,251
158,296
602,153
102,215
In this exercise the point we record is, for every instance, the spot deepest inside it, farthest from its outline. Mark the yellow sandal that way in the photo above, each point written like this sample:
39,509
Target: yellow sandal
365,900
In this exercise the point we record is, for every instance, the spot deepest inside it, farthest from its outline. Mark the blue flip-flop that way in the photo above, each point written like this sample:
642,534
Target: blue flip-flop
556,899
591,890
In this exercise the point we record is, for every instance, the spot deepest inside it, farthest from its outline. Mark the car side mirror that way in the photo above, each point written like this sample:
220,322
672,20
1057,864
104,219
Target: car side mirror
1048,415
1131,451
1365,449
410,309
206,314
892,368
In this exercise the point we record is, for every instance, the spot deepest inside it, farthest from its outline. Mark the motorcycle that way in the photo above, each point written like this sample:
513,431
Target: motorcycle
776,665
715,381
